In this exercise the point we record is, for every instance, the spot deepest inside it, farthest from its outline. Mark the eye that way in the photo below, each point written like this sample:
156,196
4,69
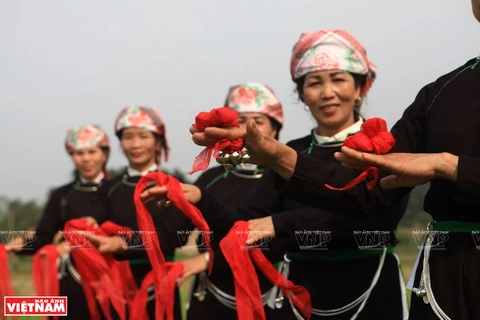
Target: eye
338,80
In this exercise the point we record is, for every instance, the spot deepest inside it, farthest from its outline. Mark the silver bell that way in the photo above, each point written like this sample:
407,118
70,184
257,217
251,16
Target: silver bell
246,158
279,302
225,158
420,292
236,158
244,150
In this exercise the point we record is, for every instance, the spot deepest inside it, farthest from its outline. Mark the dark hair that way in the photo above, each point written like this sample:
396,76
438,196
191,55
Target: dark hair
359,80
275,125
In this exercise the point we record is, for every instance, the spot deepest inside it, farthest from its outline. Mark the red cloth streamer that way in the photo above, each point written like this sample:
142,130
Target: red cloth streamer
99,277
44,272
219,117
121,272
6,287
373,137
165,274
247,289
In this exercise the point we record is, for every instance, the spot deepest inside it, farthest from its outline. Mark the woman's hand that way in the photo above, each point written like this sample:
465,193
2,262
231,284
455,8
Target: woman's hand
193,266
16,244
106,244
408,169
159,193
260,229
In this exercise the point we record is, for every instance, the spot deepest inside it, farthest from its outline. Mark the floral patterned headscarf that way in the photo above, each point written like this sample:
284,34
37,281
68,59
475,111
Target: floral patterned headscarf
329,50
255,97
143,118
85,137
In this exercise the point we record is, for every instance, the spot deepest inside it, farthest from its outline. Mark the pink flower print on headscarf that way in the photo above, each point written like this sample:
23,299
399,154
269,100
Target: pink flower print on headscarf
86,137
139,119
325,60
245,96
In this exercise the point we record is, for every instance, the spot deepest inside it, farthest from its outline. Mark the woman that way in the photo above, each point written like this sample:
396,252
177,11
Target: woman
214,297
333,75
142,136
89,148
425,151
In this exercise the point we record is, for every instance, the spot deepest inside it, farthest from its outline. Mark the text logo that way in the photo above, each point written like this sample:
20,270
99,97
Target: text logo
313,240
371,240
35,305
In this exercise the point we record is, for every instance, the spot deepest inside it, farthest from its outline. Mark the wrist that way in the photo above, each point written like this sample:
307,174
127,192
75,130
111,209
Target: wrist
283,161
446,166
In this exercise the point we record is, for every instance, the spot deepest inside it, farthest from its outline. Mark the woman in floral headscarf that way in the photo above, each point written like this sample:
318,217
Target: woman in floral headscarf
89,148
358,277
214,297
143,140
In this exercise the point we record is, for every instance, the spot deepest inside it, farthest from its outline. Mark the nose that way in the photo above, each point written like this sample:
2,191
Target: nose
135,142
327,92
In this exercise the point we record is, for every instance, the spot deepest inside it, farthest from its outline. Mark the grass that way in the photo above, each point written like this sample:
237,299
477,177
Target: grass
21,267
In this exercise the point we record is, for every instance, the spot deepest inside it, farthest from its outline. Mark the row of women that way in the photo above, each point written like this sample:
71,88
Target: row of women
282,192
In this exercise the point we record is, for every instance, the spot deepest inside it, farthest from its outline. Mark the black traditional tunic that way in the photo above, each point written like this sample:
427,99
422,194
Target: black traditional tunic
344,268
232,189
168,222
72,201
341,274
445,117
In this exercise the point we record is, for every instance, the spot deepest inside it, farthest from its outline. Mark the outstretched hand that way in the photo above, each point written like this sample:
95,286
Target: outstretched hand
408,169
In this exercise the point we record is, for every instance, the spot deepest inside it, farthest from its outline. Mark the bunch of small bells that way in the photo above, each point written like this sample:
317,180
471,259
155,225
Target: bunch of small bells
230,160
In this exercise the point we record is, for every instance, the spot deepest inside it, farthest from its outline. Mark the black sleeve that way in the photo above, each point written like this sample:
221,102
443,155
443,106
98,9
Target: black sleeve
263,201
289,223
47,227
307,185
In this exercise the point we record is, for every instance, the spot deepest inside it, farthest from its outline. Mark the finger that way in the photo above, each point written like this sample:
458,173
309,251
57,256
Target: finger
194,129
157,192
369,158
253,133
181,281
148,200
201,139
341,157
252,238
391,182
225,133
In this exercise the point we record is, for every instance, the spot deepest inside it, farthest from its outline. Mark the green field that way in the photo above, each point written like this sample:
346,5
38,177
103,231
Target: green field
21,266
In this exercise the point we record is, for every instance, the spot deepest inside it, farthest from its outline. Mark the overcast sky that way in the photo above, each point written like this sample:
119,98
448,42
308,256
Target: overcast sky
68,63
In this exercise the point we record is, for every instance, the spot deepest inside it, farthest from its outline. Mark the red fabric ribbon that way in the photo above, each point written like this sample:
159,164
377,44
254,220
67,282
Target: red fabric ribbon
164,275
373,137
247,289
6,287
100,279
223,118
44,272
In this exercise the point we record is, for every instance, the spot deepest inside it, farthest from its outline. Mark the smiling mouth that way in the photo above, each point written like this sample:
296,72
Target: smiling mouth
329,107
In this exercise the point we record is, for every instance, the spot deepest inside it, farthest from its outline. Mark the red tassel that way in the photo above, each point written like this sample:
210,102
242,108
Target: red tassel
223,118
372,138
247,289
6,287
44,272
100,276
164,275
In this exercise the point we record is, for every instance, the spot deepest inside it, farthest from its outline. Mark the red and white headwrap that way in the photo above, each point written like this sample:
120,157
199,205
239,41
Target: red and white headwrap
331,50
143,118
86,137
255,97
